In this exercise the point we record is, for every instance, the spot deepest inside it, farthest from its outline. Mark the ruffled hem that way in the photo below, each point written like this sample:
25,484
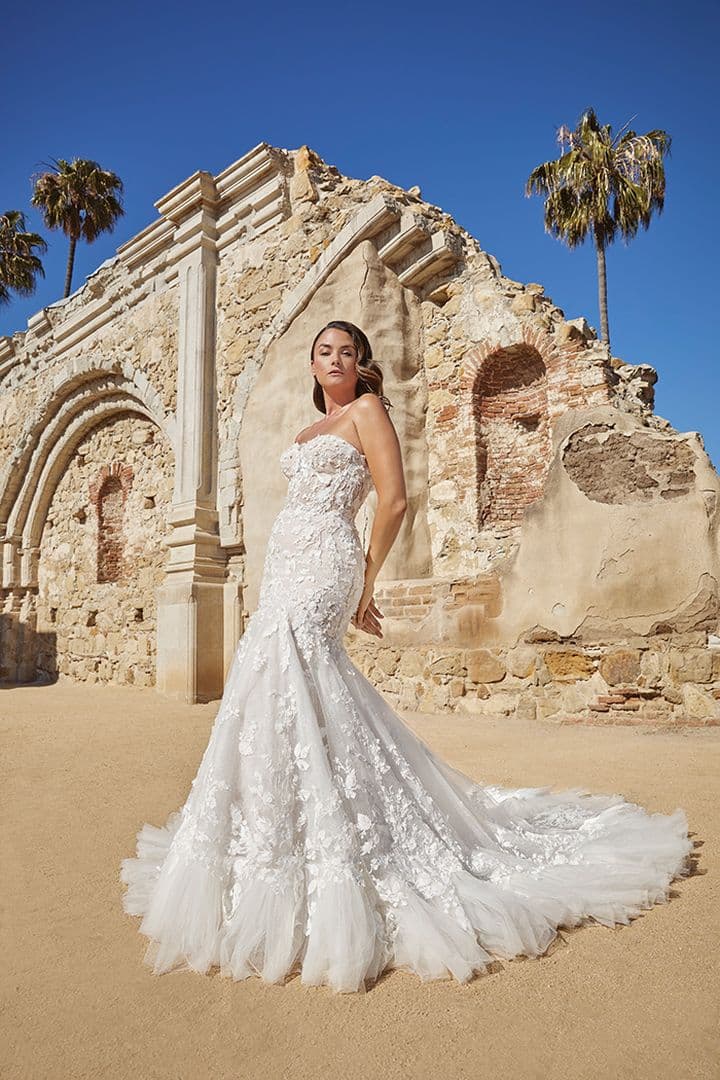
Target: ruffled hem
354,936
396,860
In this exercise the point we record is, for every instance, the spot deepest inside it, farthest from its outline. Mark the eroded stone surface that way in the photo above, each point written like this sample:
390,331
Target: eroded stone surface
104,630
559,554
622,666
611,467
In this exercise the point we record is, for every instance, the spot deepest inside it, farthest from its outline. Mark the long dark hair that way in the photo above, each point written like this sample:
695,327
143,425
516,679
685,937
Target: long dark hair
370,376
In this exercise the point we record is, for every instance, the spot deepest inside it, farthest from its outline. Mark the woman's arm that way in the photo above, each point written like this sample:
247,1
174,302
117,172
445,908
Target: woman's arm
381,447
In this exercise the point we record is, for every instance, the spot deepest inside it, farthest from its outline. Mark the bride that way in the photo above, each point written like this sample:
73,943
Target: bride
320,834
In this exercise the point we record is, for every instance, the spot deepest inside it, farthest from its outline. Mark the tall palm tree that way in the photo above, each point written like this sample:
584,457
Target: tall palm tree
19,264
80,198
598,169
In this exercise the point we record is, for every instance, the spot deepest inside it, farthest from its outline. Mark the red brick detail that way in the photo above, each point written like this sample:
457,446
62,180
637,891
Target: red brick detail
565,364
413,599
447,413
108,494
509,398
556,358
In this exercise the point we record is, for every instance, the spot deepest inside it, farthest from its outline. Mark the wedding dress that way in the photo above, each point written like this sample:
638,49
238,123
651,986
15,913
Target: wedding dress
322,836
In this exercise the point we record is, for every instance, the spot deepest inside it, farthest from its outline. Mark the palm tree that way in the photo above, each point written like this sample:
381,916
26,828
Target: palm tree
597,168
19,265
78,197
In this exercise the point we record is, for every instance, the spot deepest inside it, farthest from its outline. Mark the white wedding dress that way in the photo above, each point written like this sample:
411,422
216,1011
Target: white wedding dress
321,836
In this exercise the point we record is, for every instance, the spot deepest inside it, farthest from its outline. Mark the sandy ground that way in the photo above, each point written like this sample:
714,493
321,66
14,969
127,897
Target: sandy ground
83,768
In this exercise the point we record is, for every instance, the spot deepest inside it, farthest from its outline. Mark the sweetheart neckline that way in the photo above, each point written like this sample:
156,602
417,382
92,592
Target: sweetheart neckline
331,435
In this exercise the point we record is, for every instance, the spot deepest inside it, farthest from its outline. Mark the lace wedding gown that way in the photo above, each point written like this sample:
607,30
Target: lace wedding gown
321,835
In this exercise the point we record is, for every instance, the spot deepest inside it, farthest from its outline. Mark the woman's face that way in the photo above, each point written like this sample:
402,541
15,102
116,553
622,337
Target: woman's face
334,359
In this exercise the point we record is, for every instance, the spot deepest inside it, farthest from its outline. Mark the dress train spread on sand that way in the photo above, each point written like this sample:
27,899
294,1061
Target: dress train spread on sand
321,836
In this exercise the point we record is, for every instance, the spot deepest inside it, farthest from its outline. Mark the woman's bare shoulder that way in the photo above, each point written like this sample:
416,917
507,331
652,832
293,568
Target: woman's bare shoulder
374,428
369,405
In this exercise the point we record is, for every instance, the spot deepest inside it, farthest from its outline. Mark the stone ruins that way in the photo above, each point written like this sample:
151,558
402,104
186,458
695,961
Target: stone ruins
559,557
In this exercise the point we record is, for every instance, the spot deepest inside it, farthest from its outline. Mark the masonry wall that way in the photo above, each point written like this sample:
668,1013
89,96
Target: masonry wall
96,608
142,420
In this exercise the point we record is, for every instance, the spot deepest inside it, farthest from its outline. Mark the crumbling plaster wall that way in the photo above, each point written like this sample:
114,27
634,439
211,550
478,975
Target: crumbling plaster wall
547,500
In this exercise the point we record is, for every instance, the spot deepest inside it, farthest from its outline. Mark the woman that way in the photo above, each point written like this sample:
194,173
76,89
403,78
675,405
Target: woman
320,834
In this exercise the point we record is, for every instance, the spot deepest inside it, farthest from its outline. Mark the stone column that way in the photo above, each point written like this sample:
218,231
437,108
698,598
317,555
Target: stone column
26,641
10,635
190,601
234,621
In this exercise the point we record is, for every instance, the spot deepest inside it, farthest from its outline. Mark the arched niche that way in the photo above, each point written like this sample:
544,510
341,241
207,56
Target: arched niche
109,495
512,434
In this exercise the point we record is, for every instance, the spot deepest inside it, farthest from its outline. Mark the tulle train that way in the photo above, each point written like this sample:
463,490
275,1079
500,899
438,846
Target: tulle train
323,837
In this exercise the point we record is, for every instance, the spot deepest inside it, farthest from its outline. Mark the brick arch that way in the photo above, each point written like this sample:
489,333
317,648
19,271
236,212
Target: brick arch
511,431
555,357
108,494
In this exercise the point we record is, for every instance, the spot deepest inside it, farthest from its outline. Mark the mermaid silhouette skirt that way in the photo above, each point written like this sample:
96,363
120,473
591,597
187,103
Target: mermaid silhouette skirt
322,837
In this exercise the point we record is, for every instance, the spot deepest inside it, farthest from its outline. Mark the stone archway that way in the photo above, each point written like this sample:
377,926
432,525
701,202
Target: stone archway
400,246
83,394
101,554
89,396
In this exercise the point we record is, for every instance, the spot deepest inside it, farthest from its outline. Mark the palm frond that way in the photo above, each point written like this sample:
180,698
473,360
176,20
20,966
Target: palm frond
79,197
616,182
19,263
601,185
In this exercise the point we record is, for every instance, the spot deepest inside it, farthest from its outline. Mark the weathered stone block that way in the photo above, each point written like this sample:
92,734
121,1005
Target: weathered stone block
526,708
521,662
691,665
523,302
651,666
387,661
410,662
483,667
699,704
620,667
568,664
450,664
434,356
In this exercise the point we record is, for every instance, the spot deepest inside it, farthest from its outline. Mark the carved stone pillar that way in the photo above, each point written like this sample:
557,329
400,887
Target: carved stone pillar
190,601
234,621
26,642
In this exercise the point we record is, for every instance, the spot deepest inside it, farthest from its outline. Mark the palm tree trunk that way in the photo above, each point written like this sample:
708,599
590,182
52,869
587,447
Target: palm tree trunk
69,271
602,291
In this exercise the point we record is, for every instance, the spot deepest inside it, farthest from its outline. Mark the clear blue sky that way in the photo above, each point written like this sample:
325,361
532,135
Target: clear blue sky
461,98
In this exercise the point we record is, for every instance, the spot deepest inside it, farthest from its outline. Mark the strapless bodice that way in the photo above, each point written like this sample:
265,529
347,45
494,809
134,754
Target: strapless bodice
327,475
